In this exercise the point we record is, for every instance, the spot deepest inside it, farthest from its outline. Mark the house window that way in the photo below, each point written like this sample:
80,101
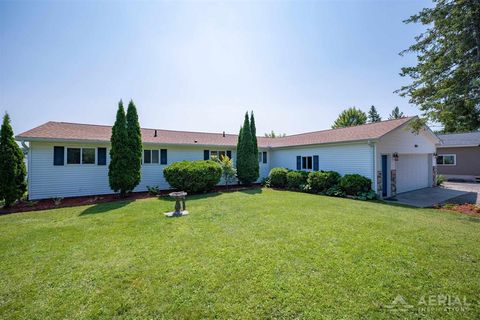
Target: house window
73,155
58,156
216,154
155,156
102,156
150,156
447,159
307,163
88,155
163,156
264,156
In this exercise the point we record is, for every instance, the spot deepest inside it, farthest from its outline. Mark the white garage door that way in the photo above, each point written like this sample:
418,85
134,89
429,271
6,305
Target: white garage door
412,172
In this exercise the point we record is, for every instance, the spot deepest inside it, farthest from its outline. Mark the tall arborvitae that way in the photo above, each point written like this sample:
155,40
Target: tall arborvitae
253,130
134,136
12,166
118,175
245,157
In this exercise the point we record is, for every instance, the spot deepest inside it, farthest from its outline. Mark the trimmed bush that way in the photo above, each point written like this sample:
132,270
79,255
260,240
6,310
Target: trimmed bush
296,179
278,177
353,184
193,176
323,180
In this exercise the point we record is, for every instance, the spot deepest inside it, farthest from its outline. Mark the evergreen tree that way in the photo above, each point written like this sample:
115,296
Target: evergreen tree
396,114
134,143
349,118
12,166
253,129
373,115
118,175
445,81
245,157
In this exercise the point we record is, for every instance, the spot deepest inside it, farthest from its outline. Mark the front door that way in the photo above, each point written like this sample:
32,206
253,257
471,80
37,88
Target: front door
384,175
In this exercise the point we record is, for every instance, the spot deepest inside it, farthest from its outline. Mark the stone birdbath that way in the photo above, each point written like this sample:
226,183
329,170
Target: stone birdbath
180,208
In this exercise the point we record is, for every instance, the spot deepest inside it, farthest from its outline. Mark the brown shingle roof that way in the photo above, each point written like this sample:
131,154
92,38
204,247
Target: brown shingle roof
55,131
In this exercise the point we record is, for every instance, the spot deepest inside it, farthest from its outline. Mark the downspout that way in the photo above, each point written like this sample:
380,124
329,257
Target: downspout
374,165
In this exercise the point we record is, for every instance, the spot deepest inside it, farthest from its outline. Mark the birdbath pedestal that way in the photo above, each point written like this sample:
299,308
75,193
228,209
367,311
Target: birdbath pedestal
180,208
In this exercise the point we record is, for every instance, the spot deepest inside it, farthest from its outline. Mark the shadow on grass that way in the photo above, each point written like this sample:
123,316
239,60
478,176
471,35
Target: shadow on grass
105,207
252,191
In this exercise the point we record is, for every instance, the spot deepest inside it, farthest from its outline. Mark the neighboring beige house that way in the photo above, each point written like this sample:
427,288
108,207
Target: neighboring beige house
458,157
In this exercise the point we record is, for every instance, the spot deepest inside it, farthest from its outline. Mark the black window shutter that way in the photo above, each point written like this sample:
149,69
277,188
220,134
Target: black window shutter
229,154
58,156
102,156
299,162
206,154
264,157
315,163
163,156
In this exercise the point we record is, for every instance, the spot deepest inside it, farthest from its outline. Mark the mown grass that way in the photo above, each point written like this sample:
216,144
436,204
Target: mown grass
255,254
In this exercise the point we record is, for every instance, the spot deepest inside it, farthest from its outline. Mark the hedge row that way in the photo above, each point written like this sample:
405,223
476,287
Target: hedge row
322,182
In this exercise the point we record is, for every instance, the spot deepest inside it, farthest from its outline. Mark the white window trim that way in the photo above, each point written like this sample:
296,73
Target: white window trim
81,156
151,157
448,155
305,169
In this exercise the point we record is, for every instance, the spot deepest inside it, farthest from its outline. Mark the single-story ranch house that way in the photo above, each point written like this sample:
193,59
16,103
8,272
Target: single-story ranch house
70,159
459,156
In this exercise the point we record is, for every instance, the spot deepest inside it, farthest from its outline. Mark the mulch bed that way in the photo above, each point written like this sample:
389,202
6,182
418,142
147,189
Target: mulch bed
466,208
47,204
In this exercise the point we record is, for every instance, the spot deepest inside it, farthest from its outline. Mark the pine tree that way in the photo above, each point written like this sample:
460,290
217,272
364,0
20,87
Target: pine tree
134,143
12,166
373,115
253,130
396,114
118,175
245,157
445,80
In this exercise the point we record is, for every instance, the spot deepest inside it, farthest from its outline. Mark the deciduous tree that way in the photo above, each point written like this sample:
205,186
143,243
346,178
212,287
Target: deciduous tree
349,118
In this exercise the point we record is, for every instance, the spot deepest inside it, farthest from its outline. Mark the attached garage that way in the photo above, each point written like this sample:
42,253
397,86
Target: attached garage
405,160
412,172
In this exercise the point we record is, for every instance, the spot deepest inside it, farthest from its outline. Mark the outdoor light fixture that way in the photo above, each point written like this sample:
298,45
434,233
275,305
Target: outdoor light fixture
395,156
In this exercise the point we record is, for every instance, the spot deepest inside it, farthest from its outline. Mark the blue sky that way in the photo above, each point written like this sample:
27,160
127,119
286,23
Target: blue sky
199,66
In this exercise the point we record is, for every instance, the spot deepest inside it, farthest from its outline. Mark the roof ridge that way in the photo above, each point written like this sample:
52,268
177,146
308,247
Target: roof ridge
170,130
455,133
333,129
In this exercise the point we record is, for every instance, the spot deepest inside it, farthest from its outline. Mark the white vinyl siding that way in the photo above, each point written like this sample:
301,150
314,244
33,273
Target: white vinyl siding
49,181
343,158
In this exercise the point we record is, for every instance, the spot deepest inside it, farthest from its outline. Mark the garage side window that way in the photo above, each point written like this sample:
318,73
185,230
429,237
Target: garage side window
447,159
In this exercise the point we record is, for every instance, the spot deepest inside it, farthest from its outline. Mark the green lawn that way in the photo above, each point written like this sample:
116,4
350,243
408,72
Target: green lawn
255,254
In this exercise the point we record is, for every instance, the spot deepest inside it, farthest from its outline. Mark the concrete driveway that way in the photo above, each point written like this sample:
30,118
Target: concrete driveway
450,193
472,189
